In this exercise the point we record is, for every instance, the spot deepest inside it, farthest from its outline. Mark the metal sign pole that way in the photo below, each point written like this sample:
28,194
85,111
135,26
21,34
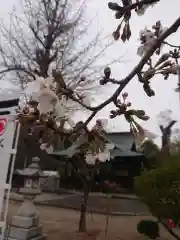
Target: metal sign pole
13,157
9,134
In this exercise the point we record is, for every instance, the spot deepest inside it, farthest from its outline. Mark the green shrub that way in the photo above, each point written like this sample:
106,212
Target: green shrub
148,228
159,189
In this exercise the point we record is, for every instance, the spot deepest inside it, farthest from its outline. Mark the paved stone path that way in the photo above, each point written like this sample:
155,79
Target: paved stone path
99,204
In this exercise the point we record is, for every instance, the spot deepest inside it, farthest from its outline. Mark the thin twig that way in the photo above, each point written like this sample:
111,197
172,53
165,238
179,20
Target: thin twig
17,68
171,45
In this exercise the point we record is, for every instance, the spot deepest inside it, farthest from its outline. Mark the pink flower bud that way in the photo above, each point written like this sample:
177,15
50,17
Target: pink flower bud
125,95
128,104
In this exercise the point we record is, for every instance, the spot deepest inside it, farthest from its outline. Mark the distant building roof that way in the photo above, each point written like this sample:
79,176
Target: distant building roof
123,142
119,153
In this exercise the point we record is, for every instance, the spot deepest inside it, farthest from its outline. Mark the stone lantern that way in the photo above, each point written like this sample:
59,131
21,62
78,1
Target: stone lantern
31,176
26,224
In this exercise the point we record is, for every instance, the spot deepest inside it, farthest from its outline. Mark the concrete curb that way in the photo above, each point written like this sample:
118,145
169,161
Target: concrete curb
90,211
112,195
129,197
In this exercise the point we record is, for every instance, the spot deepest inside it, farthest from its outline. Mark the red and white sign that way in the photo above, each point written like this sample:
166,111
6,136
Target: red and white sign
3,124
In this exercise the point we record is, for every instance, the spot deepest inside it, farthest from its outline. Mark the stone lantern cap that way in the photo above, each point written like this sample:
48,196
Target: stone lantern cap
33,169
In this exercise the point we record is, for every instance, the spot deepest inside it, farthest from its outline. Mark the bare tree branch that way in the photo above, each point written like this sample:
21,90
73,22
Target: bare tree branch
48,37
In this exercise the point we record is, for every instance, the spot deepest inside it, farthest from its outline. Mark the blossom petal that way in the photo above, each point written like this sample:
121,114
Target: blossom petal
40,81
140,51
60,110
45,105
110,146
47,100
101,123
71,122
90,159
48,81
104,156
35,96
50,149
32,87
43,146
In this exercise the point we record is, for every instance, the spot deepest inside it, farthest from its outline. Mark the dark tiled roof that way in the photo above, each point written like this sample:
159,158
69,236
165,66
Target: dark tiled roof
123,142
119,153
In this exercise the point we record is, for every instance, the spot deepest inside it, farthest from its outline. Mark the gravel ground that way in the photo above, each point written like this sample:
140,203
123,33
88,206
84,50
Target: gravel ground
62,224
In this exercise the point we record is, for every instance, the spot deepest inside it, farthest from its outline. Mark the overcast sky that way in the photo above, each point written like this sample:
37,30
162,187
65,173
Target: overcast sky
166,11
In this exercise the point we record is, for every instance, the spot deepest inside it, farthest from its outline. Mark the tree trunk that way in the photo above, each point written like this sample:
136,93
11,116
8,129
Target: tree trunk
82,221
166,135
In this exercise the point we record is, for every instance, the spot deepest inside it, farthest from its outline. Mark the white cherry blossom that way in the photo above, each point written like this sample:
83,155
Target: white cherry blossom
60,109
147,38
48,148
100,124
33,88
110,146
47,100
40,90
90,159
43,146
104,156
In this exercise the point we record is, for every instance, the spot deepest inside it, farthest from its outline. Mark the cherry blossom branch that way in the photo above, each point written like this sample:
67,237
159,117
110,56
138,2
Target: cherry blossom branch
122,83
140,3
70,95
75,170
91,117
171,45
173,28
108,80
132,6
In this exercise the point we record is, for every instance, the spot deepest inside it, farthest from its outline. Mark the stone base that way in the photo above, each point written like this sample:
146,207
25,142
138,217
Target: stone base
27,209
24,234
24,222
44,237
